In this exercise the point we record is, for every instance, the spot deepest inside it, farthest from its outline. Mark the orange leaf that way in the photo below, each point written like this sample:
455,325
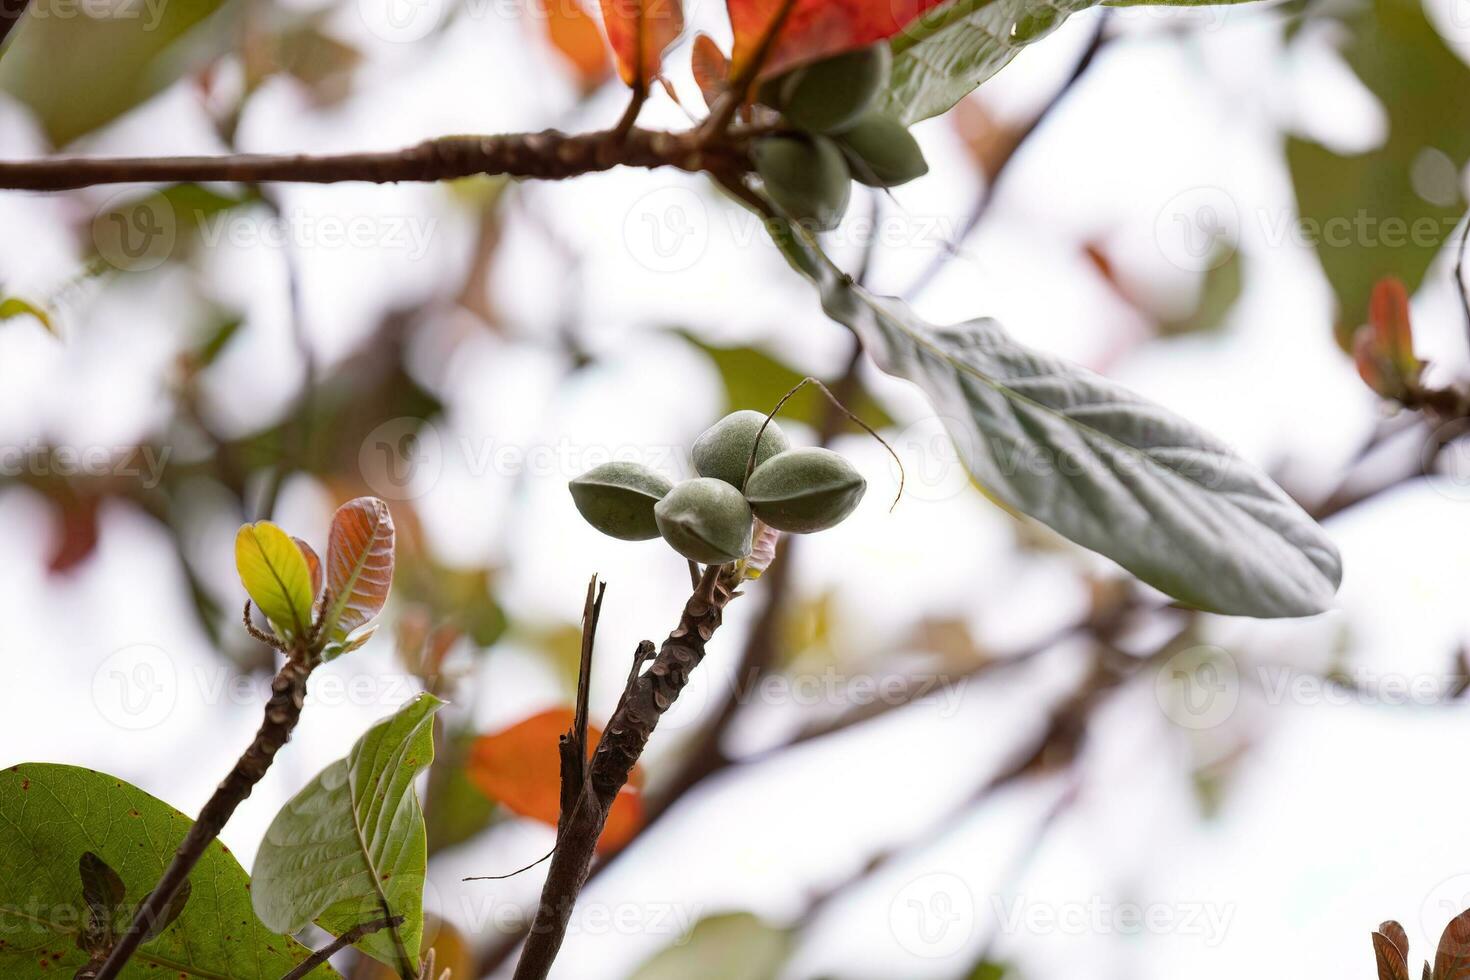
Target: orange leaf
814,29
520,767
574,33
711,68
1388,312
359,565
639,31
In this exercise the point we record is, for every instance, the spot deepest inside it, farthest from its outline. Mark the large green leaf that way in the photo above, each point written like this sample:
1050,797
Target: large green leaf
732,946
50,815
116,55
1095,462
350,847
1367,213
944,55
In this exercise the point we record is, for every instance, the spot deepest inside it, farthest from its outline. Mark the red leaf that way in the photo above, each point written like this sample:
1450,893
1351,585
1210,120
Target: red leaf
1397,936
313,565
639,31
574,33
1388,313
520,767
1391,965
711,68
359,565
1452,960
814,29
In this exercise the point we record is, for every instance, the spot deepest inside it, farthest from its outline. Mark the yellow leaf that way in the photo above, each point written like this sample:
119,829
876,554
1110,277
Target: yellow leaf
275,574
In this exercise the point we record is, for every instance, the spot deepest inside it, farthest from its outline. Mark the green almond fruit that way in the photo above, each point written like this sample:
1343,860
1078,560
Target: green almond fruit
883,153
828,96
706,520
805,490
807,177
618,499
723,450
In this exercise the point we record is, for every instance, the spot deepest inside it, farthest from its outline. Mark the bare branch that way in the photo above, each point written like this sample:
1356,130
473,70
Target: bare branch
340,943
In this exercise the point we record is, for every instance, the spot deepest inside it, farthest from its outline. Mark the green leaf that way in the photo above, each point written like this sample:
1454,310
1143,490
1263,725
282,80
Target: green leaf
52,815
733,946
113,62
359,565
276,576
1093,461
1365,212
352,842
945,54
13,306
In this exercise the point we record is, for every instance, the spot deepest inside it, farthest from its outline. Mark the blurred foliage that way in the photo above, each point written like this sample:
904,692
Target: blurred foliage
754,379
732,946
1388,211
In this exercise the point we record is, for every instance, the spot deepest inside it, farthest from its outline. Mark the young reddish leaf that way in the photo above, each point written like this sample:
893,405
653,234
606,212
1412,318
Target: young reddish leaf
313,566
1391,965
1388,313
809,30
639,31
275,575
1396,935
520,767
574,33
1452,959
711,68
359,565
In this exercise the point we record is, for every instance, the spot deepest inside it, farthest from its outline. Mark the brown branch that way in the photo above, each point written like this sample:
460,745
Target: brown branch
647,696
282,712
11,12
549,155
340,943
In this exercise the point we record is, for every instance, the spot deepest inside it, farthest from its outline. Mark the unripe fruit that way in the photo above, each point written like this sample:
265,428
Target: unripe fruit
706,520
806,177
805,490
723,450
830,95
618,499
883,152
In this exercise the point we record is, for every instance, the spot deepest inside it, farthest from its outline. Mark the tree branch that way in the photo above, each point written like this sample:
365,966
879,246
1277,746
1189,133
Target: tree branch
340,943
647,696
282,712
548,155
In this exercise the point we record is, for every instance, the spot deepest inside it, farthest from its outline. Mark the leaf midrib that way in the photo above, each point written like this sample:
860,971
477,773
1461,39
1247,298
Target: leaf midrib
339,603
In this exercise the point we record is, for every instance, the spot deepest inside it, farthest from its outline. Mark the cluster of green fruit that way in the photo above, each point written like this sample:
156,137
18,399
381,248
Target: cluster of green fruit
834,137
711,518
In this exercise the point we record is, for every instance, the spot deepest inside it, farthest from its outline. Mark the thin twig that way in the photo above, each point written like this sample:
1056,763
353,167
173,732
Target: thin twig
630,115
340,943
1100,39
282,712
750,462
